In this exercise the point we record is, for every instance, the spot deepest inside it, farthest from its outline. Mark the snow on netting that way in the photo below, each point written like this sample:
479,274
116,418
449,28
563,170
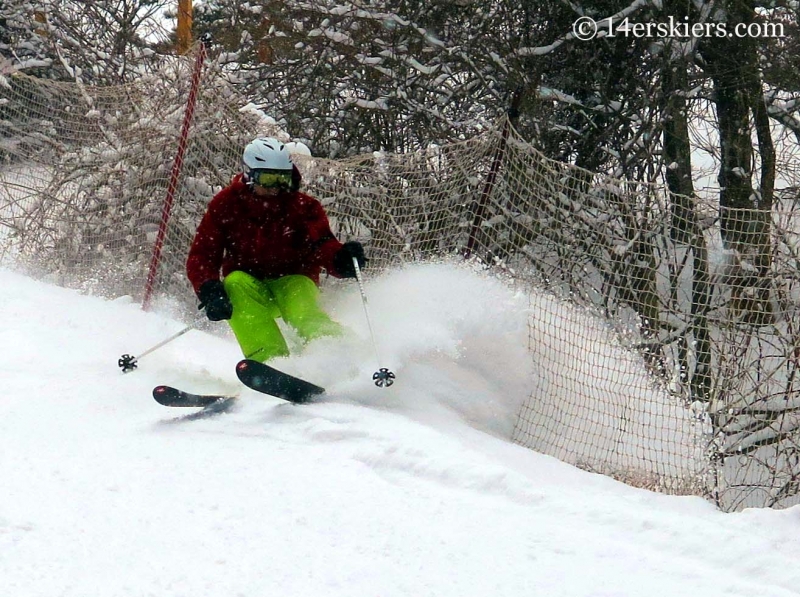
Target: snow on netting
663,356
85,172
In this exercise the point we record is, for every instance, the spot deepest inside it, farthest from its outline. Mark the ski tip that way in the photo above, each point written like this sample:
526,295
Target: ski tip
164,395
169,396
246,364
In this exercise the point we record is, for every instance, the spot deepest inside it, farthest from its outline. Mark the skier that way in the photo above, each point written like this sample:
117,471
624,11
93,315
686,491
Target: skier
270,242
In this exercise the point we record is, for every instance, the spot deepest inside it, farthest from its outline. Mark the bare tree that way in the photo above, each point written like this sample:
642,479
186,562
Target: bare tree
102,42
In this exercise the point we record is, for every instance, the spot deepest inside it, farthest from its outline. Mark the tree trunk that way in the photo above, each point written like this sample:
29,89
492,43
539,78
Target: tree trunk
744,212
685,227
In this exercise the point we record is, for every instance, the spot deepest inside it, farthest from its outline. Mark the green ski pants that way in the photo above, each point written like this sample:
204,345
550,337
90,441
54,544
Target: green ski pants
256,305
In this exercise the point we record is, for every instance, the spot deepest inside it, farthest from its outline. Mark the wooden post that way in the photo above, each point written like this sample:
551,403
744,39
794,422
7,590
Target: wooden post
184,26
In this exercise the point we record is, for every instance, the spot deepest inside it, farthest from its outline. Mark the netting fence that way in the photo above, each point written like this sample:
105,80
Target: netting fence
663,356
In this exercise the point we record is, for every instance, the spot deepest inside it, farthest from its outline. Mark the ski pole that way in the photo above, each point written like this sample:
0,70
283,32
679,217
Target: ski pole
129,362
382,377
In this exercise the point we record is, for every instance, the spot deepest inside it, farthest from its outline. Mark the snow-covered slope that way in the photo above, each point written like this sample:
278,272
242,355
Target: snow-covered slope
412,490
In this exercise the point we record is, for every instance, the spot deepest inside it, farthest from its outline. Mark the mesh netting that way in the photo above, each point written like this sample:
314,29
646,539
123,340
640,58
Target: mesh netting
663,356
85,172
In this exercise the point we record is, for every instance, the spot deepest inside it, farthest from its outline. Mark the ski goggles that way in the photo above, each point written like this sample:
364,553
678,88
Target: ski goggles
271,178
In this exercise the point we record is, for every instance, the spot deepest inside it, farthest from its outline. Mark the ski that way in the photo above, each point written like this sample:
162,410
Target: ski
268,380
256,376
169,396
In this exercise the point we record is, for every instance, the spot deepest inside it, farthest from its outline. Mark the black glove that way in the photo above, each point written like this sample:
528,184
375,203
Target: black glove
215,301
343,260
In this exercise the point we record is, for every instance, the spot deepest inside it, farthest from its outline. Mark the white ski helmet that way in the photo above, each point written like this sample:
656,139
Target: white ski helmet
265,153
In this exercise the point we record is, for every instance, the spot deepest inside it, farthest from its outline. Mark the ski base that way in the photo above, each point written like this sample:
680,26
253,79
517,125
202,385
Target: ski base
169,396
268,380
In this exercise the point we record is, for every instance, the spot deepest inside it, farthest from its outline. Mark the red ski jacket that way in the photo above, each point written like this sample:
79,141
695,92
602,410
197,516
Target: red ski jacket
264,237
